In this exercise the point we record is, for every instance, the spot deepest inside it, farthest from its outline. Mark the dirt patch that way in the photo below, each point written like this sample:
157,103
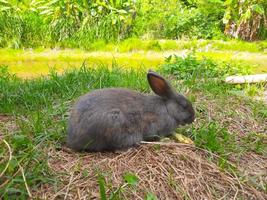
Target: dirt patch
169,171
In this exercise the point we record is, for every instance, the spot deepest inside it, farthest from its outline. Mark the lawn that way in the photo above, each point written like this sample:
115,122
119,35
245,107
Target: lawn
227,158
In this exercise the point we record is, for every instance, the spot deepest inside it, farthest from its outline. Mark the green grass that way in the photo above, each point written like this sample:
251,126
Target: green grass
133,53
136,44
40,62
40,108
45,91
238,45
130,180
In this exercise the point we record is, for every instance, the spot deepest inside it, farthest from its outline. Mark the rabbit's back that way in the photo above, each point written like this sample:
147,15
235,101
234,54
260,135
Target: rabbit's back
105,100
106,119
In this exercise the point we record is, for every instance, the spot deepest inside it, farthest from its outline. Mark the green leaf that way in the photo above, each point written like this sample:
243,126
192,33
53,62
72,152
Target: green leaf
122,11
227,16
12,165
102,189
114,21
85,173
46,12
150,196
5,8
85,21
258,8
130,178
247,14
4,2
168,59
20,141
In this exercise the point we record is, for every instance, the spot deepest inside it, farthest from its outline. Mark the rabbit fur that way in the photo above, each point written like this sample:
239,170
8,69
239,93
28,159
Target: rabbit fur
117,118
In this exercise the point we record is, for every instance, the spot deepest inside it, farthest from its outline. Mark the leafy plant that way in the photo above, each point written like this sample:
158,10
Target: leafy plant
150,196
190,68
214,138
130,180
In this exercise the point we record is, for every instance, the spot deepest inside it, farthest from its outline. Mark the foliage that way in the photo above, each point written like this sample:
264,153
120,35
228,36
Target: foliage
79,23
130,179
63,21
191,68
214,138
246,19
102,19
176,19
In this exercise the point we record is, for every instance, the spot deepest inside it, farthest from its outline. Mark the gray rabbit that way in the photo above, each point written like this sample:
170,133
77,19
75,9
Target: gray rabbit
116,118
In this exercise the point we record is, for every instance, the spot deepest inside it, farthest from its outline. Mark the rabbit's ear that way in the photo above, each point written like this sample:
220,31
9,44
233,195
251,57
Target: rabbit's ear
159,85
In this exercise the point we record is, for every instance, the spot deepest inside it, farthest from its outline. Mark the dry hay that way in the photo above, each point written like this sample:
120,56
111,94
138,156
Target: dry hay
170,171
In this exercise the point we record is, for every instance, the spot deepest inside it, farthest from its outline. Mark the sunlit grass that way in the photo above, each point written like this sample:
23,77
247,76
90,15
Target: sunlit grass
132,53
34,63
136,44
236,45
257,61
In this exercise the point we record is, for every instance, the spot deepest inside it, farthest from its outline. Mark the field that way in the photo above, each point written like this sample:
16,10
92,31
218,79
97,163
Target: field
132,53
53,51
227,158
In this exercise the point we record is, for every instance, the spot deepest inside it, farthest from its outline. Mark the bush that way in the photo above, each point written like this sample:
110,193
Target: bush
189,67
71,23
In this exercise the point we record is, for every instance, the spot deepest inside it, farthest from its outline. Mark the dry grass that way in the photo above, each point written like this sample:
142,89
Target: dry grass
235,115
7,125
170,171
253,166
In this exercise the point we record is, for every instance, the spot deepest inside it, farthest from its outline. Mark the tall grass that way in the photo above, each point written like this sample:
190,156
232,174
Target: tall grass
44,91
